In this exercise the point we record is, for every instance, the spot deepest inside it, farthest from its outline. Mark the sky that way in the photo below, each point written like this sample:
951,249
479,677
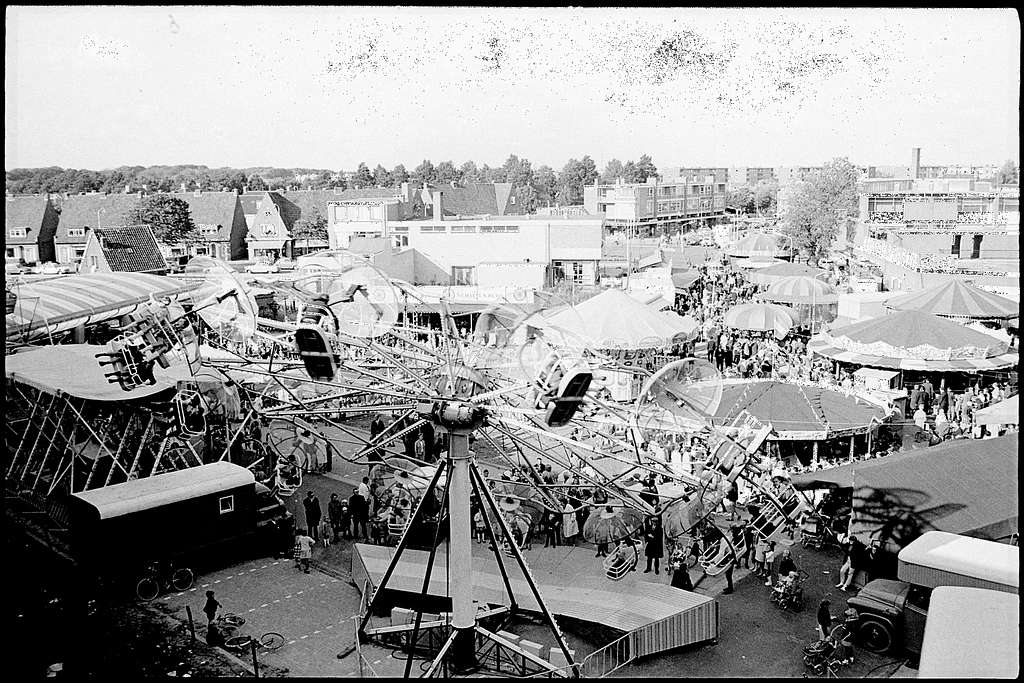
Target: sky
100,87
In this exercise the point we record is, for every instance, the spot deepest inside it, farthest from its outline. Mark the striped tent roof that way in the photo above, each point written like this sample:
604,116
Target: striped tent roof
766,276
801,289
63,303
911,340
756,244
760,318
955,299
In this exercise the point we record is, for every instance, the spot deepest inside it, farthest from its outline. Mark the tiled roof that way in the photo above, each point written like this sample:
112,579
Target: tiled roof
250,202
289,211
211,208
24,212
79,211
471,199
131,249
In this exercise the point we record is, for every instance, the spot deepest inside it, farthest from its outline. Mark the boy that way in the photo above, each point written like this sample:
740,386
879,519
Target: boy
480,526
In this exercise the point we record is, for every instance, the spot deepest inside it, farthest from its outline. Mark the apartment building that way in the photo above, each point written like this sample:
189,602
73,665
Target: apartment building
654,205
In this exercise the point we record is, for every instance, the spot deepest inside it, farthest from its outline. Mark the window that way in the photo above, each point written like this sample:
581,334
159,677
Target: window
76,232
432,228
207,229
227,504
462,275
267,230
400,241
463,228
92,262
499,228
10,252
17,232
404,229
79,252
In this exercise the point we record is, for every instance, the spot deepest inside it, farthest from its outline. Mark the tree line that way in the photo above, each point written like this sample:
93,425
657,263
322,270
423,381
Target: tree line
533,186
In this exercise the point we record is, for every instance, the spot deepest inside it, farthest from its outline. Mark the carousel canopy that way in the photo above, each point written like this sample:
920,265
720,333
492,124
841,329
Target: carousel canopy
613,320
912,340
975,480
801,289
766,276
798,412
685,279
759,262
954,299
60,304
760,318
73,369
685,324
1006,412
756,244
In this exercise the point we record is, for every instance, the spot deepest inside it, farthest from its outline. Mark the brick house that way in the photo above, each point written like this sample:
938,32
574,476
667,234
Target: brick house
80,214
130,249
30,226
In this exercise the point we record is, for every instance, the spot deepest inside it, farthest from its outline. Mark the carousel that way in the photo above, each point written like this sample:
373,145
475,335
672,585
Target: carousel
772,318
814,301
769,275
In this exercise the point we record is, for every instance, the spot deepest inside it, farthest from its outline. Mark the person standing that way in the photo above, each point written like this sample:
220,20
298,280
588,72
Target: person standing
335,512
570,526
357,509
824,618
304,547
680,574
654,547
211,607
311,505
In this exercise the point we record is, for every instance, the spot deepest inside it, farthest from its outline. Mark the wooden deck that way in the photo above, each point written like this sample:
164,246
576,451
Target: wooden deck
625,606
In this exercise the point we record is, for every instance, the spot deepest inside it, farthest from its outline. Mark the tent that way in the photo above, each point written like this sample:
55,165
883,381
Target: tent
760,318
686,325
756,244
757,262
964,487
912,340
798,412
955,299
612,320
801,289
59,304
1006,412
766,276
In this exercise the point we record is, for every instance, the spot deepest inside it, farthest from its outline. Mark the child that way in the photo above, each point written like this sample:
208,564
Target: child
760,548
326,532
480,526
211,607
769,555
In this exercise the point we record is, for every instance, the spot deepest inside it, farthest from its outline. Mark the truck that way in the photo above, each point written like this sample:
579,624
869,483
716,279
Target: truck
178,516
892,613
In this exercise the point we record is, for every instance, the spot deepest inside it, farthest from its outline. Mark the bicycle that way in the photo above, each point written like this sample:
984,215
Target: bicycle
159,579
228,623
269,641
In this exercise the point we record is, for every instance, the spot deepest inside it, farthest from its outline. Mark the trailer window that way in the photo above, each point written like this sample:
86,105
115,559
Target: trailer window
227,504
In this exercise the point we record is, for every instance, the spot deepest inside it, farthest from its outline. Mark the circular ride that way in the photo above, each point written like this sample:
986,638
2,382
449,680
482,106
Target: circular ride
529,395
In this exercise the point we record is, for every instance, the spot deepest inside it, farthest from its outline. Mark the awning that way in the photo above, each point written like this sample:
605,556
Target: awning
1006,412
966,486
453,306
266,244
64,303
73,369
684,280
823,348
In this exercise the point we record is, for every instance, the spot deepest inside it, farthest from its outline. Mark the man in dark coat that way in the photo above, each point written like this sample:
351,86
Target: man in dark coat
429,441
655,544
311,504
336,513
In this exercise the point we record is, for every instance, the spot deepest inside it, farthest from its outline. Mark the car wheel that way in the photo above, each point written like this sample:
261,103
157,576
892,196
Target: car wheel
875,636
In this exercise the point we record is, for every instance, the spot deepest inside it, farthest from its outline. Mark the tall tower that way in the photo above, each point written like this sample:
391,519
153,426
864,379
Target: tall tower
915,163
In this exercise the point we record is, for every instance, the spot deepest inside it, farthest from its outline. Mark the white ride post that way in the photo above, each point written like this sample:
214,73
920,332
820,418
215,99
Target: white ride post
460,541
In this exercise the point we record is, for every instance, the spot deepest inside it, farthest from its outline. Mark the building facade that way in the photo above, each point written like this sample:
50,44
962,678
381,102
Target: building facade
655,205
30,224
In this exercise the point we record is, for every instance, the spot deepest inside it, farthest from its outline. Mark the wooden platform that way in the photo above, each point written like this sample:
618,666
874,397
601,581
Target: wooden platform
657,615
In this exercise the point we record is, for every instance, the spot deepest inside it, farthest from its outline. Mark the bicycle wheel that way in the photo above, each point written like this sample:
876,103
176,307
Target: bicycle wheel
271,640
182,579
147,589
238,643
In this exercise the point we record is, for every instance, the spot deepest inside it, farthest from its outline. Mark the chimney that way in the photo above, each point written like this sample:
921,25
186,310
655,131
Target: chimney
915,163
438,206
184,188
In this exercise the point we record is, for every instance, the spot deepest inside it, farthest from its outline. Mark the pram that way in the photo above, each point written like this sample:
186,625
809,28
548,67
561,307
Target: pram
816,532
825,656
789,594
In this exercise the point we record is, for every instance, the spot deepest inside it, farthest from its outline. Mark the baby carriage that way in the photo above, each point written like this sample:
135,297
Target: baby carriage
788,593
824,657
816,532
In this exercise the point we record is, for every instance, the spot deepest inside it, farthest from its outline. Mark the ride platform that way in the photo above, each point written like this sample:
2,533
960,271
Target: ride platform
641,617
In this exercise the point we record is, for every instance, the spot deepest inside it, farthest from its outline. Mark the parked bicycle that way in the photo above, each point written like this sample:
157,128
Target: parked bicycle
163,577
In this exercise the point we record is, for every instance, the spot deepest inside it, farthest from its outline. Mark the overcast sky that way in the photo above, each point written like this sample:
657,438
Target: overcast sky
330,87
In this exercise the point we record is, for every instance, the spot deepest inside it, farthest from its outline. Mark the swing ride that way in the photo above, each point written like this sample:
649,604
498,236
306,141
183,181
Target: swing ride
527,395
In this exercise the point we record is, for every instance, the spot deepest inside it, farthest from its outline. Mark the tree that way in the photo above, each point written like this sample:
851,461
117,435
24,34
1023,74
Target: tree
613,171
574,176
546,183
741,199
310,227
1008,173
517,171
399,175
766,194
445,173
470,173
381,176
425,172
168,217
363,177
822,207
645,168
256,183
630,173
